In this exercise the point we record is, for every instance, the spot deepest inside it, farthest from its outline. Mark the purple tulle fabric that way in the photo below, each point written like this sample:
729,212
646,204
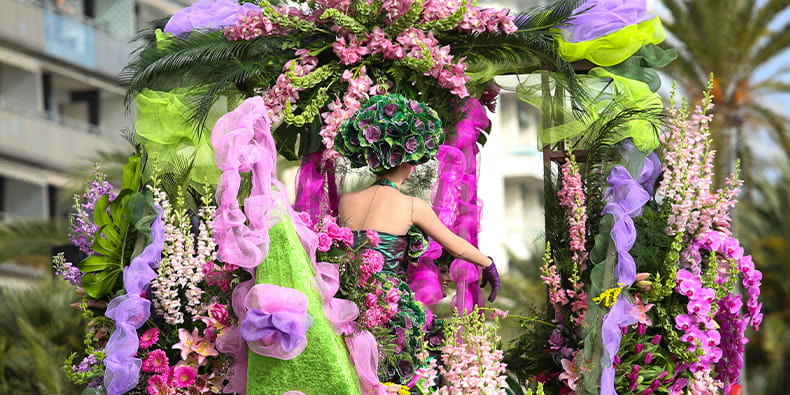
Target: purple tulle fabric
456,203
207,15
276,323
625,198
316,188
130,311
597,18
243,143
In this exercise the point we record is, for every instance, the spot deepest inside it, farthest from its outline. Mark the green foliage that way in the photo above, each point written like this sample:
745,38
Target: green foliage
208,63
37,332
116,235
18,239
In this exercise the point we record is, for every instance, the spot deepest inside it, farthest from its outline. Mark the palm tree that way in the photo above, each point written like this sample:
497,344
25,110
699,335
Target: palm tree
732,39
766,230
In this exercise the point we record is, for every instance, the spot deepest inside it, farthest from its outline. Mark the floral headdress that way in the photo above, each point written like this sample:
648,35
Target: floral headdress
390,130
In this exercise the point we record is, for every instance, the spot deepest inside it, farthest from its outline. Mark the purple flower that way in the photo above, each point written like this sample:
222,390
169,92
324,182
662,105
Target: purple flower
389,109
656,339
733,249
648,358
699,307
411,145
373,159
395,156
638,348
372,133
415,106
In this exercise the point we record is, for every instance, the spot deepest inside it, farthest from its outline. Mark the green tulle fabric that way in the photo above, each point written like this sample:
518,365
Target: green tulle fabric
324,366
615,47
566,126
162,127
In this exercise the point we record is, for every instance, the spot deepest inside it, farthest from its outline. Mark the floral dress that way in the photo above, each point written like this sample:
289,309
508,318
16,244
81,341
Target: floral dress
388,308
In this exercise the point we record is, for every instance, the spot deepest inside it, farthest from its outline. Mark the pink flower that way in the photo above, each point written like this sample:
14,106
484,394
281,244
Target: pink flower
158,385
149,338
324,242
187,342
219,314
351,52
373,261
497,313
640,311
184,376
347,236
571,374
373,237
334,231
371,300
203,349
393,296
156,362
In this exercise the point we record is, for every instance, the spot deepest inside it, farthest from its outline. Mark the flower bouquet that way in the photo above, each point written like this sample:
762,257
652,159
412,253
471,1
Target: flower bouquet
649,291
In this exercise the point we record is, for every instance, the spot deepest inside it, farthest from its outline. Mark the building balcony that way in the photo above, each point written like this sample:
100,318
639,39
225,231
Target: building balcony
58,143
78,41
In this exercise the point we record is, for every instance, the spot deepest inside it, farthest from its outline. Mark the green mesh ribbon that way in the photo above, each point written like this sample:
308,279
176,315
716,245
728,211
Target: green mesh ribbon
324,366
162,128
641,66
390,130
615,47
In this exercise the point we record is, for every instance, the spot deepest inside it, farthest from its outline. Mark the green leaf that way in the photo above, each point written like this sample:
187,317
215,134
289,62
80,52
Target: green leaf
131,173
101,283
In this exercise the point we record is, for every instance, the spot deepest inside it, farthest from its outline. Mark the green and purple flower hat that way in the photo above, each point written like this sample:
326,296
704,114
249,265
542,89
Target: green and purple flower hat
390,130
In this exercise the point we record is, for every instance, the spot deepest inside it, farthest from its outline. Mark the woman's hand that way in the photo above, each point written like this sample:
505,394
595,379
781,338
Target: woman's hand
491,276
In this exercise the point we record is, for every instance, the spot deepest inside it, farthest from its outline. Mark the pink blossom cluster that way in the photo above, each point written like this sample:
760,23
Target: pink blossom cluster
372,263
219,275
476,19
426,376
180,272
557,294
183,376
571,197
480,20
688,166
381,307
473,367
283,92
83,227
700,330
254,24
732,328
703,384
729,249
360,86
331,234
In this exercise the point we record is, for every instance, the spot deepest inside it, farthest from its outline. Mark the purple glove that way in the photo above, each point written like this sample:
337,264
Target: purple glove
491,276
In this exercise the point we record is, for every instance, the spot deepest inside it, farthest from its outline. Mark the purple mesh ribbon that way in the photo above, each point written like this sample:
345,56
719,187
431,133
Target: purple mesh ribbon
597,18
455,202
243,143
316,188
207,15
130,311
276,323
625,198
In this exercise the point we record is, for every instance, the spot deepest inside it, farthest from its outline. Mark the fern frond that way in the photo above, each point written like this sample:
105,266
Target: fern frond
33,237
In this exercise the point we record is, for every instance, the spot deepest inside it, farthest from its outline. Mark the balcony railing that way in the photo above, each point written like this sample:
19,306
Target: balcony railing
49,140
73,39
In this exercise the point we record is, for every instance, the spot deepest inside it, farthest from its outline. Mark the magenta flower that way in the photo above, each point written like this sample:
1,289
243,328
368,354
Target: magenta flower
685,322
156,362
373,237
149,338
158,384
184,376
324,242
219,313
187,342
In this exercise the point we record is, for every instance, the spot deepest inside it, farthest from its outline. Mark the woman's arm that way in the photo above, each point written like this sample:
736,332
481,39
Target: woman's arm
424,217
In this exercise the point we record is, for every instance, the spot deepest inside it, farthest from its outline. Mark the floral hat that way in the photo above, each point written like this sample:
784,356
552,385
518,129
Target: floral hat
388,131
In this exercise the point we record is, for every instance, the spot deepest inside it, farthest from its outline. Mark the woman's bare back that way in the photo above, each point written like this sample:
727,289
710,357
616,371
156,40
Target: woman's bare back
377,207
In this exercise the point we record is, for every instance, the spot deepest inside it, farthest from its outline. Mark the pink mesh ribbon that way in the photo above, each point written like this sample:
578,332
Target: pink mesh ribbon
242,143
130,311
455,202
316,188
276,322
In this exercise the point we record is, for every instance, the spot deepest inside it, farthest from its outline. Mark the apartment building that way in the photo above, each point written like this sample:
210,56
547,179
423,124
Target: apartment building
60,101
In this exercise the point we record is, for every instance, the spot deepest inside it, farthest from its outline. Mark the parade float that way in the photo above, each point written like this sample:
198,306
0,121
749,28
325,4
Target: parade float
201,276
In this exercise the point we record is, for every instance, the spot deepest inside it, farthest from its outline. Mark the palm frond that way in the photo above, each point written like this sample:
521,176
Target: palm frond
24,238
546,17
209,64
